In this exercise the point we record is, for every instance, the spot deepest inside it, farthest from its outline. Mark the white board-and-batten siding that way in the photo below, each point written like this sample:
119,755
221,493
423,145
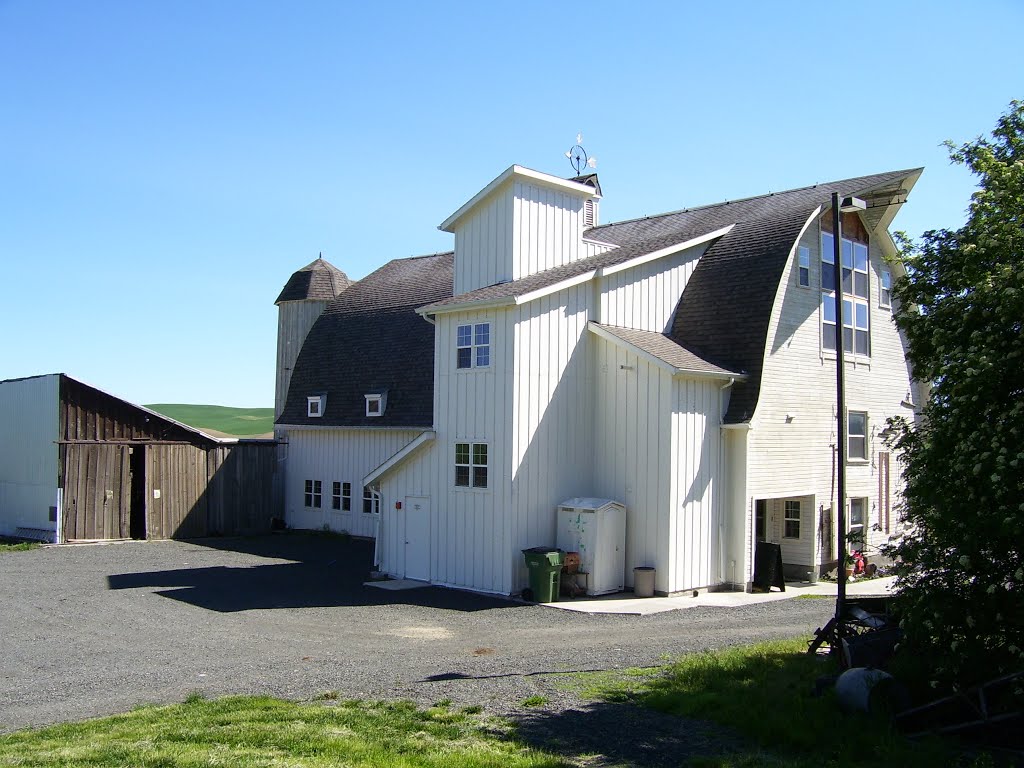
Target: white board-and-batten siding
336,455
29,429
520,229
792,442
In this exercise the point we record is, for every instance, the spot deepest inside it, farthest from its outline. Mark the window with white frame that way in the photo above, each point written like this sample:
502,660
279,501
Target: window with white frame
858,521
371,501
471,465
315,405
374,405
791,529
341,496
313,496
473,345
856,317
803,266
857,436
885,289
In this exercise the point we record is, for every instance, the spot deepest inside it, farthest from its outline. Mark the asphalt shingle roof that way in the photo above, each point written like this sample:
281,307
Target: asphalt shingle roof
318,280
370,339
665,349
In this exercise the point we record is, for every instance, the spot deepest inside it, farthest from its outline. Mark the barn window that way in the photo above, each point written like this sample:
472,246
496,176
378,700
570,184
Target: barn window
471,465
371,501
341,497
857,435
804,266
313,496
315,405
792,520
376,402
473,346
856,330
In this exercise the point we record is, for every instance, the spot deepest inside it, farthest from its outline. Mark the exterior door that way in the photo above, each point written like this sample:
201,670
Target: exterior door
417,537
97,491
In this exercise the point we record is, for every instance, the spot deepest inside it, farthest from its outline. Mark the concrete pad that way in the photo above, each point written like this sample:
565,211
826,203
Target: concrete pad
396,585
625,603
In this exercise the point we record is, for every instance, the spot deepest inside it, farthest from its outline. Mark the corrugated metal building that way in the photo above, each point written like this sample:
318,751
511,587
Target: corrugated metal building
77,463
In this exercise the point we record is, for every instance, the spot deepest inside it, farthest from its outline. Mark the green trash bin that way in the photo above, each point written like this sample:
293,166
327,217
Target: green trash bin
545,567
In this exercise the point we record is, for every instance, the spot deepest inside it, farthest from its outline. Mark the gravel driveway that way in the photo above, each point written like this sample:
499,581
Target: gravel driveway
96,630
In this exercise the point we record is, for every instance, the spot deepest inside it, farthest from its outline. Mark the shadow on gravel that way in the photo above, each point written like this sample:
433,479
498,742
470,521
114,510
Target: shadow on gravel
624,734
322,572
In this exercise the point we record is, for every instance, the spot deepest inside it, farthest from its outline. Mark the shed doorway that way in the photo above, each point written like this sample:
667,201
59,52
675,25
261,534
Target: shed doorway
417,538
137,515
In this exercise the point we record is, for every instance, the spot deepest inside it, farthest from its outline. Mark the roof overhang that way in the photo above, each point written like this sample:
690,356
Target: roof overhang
673,370
399,457
518,171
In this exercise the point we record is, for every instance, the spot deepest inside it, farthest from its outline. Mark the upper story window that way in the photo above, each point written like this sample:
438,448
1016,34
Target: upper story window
473,345
885,289
471,465
804,266
315,405
376,402
856,317
857,435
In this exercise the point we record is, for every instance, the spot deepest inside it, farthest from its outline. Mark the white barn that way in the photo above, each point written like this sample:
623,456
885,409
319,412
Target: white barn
682,364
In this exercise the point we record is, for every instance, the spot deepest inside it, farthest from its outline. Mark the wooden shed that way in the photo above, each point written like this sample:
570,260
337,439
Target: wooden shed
97,467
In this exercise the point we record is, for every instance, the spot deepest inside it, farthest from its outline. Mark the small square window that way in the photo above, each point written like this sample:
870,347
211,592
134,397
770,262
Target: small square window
315,405
804,266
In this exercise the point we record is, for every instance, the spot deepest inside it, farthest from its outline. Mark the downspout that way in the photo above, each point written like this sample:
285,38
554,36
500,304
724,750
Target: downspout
721,468
375,496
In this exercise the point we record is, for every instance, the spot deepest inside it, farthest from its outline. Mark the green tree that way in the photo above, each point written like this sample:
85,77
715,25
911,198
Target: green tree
960,569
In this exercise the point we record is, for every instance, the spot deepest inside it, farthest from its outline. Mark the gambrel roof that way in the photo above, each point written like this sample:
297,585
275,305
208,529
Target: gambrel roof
370,339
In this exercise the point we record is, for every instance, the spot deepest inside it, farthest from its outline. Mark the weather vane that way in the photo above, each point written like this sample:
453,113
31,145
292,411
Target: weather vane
578,156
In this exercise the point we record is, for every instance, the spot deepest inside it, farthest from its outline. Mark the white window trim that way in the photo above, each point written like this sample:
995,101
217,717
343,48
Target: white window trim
882,291
312,496
315,406
374,498
850,459
377,400
473,346
472,466
798,519
801,251
849,354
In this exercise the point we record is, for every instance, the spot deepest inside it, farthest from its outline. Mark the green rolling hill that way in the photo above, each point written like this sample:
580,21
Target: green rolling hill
220,419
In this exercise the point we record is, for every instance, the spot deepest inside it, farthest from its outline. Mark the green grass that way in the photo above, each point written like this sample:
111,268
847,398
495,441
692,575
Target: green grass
240,422
257,732
17,546
764,693
534,701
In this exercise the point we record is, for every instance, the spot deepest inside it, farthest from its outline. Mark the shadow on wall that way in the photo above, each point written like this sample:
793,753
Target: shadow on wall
313,571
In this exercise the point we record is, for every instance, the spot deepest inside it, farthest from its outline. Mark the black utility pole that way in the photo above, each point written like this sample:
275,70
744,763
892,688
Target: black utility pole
837,242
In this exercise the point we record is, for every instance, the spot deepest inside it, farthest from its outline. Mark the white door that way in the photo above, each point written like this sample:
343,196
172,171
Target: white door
417,537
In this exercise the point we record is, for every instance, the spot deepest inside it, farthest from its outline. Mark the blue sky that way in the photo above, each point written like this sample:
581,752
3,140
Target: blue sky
165,166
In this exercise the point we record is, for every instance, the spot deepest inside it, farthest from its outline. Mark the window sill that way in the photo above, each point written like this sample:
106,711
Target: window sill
857,462
469,489
855,360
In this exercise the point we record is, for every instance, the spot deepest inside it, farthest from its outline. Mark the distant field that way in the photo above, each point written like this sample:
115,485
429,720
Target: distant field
221,420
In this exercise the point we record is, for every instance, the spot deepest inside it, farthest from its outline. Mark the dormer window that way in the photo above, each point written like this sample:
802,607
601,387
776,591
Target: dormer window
376,402
315,405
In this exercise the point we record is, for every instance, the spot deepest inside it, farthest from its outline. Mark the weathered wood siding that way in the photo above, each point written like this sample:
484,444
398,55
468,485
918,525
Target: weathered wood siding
97,492
793,439
176,498
240,488
29,428
645,297
336,455
294,319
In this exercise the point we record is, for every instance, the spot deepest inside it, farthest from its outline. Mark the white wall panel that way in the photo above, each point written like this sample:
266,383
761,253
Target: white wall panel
483,243
29,429
645,297
343,455
548,228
